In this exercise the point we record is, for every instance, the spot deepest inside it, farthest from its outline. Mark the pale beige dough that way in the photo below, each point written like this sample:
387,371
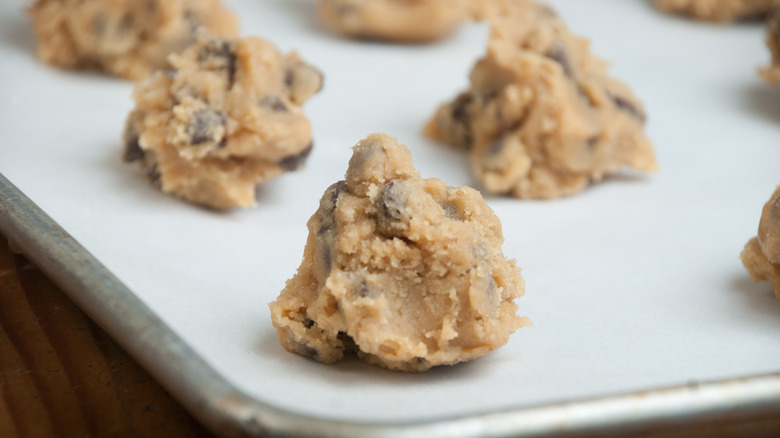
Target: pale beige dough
717,10
394,20
761,255
126,38
542,118
772,73
224,119
406,272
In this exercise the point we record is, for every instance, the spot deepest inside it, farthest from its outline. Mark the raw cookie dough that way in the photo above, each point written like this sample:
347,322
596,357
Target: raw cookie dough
717,10
542,118
772,73
406,272
126,38
761,255
394,20
226,118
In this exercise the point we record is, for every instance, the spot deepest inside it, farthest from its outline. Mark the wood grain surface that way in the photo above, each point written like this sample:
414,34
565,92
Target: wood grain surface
62,376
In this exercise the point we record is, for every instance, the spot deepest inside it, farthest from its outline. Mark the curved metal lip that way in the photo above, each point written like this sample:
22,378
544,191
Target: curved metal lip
229,412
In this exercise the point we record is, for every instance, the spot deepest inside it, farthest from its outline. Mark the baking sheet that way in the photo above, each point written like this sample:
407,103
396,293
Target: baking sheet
634,284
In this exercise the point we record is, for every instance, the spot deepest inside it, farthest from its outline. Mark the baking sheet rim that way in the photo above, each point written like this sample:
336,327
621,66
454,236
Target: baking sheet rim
227,411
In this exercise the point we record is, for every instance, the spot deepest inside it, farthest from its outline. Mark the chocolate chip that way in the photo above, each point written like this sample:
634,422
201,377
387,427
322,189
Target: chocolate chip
131,137
133,149
390,209
308,323
347,341
273,103
629,107
461,120
558,54
337,189
592,142
391,202
496,147
489,95
328,223
452,211
153,174
293,73
367,291
218,55
305,350
332,193
204,127
419,361
460,109
294,162
324,228
327,261
303,81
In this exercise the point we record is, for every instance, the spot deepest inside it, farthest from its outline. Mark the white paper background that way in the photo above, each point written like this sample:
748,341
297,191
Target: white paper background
633,284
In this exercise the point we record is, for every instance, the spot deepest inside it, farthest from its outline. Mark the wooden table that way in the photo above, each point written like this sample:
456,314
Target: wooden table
62,376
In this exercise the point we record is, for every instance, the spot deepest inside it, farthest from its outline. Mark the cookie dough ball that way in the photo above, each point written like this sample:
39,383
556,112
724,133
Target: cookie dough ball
394,20
126,38
224,119
717,10
406,272
542,118
772,73
761,255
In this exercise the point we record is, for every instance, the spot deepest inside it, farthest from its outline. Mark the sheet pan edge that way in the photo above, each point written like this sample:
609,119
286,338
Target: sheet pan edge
227,411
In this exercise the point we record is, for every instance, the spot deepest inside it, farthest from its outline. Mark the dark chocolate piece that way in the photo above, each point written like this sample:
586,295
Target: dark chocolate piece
218,55
203,125
294,162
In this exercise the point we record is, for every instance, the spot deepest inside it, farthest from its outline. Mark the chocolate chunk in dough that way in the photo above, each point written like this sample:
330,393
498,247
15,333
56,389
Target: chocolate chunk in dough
294,162
219,55
207,126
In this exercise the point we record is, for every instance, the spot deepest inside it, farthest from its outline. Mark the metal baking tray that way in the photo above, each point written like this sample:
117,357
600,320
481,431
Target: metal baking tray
229,412
644,317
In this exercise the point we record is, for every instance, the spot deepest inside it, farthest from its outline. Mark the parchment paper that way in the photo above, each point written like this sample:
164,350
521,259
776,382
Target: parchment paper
633,284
